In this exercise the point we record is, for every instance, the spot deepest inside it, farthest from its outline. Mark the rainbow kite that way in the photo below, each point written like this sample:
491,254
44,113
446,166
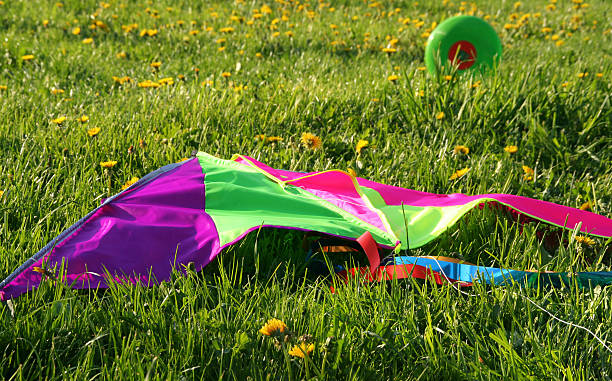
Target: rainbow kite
189,211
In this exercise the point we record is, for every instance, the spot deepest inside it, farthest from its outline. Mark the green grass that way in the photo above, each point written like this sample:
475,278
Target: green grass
205,325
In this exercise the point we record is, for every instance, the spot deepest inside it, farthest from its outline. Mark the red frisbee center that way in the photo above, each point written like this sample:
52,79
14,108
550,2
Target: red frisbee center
463,54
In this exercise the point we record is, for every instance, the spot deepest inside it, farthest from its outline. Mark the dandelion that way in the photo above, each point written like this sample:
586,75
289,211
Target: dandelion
45,23
459,173
88,41
1,192
361,144
586,206
585,240
389,50
3,87
121,55
583,75
274,139
93,131
155,65
310,141
448,77
27,57
228,29
461,150
108,164
440,115
59,120
511,149
57,91
258,55
599,75
421,68
84,119
393,78
273,327
147,84
76,31
121,80
301,350
129,183
166,81
226,74
528,176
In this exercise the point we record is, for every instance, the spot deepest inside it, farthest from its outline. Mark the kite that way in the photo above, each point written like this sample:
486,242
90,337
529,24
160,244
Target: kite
186,213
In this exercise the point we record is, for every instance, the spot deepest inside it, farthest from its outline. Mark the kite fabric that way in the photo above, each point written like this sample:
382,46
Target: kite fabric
190,211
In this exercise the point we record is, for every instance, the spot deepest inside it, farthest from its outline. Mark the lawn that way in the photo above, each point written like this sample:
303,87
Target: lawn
144,84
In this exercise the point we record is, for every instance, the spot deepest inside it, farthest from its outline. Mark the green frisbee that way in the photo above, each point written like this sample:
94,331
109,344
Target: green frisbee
469,43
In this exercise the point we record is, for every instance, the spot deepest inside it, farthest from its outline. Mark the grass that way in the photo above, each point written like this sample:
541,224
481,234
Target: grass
331,82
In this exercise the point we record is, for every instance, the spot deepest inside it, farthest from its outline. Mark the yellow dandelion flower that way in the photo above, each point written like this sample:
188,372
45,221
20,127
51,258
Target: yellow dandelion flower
260,137
151,32
147,84
88,40
45,23
59,120
121,80
108,164
289,33
586,206
585,240
274,139
421,68
560,42
528,176
258,55
440,115
459,173
57,91
226,74
129,183
155,64
310,141
511,149
599,75
393,78
389,50
273,327
93,131
1,192
361,144
461,149
76,31
84,119
227,29
3,87
448,77
301,350
27,57
583,75
121,55
166,81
